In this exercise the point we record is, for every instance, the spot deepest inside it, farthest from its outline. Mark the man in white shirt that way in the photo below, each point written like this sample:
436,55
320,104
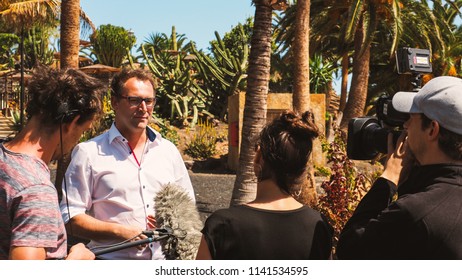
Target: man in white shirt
113,178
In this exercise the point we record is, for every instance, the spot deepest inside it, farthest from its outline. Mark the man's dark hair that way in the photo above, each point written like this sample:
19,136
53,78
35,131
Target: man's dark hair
126,73
449,142
58,96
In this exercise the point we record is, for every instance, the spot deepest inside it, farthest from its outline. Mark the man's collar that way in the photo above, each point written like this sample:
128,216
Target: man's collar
150,133
114,133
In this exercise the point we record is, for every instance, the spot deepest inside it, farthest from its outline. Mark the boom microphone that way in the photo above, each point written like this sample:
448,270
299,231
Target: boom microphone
176,210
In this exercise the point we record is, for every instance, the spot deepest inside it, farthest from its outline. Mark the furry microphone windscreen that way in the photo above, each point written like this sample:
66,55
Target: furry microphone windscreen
176,210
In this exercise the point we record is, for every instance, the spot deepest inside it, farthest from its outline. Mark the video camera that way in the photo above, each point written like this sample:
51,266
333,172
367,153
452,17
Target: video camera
368,136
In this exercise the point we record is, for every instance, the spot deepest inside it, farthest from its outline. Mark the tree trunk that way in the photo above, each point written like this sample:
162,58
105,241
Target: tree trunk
301,91
359,81
70,33
255,102
70,43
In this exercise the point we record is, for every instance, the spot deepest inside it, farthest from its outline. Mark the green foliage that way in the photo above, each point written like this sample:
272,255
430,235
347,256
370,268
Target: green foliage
224,71
234,39
321,72
180,98
37,46
161,42
112,44
103,123
281,78
7,50
191,83
203,143
165,129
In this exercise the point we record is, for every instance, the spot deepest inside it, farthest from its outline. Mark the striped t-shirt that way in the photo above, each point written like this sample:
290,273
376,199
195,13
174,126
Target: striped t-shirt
29,209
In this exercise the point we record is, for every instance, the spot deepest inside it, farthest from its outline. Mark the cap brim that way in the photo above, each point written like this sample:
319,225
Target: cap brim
403,101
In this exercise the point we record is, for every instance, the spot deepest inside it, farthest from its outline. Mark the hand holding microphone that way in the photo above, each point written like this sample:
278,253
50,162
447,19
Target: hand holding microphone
176,226
176,211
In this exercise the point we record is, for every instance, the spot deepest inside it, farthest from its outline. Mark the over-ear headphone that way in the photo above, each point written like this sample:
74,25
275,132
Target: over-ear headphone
64,112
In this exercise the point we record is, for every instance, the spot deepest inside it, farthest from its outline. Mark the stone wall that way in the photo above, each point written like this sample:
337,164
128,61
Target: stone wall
277,102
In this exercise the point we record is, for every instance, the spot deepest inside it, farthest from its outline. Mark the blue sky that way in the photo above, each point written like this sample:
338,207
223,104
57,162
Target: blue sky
198,20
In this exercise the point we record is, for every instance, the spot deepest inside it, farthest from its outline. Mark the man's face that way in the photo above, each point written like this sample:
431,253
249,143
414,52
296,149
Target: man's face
129,115
416,136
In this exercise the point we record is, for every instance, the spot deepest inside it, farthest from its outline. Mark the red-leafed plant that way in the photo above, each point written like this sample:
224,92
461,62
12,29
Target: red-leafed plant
344,189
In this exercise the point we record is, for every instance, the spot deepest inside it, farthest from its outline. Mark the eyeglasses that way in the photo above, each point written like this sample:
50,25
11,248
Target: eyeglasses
136,100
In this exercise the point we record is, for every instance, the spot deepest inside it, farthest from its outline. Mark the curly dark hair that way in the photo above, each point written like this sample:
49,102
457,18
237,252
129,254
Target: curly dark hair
126,73
286,144
58,96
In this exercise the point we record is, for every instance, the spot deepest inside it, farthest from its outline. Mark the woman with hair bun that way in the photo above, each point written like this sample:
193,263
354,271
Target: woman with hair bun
274,225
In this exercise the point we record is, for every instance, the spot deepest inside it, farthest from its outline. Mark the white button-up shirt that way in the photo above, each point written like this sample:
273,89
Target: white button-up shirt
105,181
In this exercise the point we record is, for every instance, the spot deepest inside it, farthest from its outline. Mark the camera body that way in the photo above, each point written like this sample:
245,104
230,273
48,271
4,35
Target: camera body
368,136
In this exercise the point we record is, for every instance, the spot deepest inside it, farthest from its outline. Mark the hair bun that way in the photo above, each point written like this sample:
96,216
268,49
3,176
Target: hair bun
303,126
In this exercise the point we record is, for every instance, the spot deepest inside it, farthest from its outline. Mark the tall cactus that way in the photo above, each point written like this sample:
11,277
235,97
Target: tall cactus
177,90
223,72
199,84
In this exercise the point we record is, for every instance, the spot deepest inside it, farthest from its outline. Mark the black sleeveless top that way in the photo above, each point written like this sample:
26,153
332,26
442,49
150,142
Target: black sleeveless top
248,233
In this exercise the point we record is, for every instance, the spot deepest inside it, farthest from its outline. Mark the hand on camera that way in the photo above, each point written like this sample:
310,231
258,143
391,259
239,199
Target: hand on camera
399,161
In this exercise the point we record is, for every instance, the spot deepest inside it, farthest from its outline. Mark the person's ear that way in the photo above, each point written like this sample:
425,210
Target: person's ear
434,130
72,125
258,157
114,102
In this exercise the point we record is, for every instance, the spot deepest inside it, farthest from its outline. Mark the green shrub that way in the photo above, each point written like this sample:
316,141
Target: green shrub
203,143
165,129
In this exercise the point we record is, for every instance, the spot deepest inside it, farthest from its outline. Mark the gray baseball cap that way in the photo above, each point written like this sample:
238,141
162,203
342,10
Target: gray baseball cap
440,99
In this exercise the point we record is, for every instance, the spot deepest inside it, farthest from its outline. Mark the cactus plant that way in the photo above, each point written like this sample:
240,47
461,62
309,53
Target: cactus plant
178,89
111,44
196,84
223,72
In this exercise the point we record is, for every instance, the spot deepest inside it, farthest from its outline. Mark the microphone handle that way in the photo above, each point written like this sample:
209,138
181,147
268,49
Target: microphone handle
122,246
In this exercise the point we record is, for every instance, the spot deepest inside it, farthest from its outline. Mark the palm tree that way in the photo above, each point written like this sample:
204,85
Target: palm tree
21,16
301,88
70,34
256,98
447,37
69,58
360,78
325,24
72,17
426,26
338,26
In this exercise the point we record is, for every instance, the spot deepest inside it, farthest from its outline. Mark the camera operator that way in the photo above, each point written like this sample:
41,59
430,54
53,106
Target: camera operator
425,171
